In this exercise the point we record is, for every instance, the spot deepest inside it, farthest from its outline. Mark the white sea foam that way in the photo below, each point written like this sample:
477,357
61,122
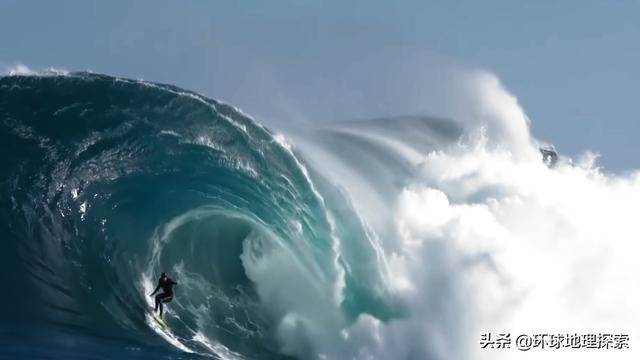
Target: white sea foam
22,69
19,69
484,237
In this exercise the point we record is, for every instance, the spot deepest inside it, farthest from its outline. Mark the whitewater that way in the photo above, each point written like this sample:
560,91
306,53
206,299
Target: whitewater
401,237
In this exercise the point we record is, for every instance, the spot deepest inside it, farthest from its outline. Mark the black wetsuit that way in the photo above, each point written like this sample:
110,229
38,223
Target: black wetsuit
166,283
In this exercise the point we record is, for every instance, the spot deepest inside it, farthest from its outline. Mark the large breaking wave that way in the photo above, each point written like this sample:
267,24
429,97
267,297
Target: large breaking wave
391,238
111,181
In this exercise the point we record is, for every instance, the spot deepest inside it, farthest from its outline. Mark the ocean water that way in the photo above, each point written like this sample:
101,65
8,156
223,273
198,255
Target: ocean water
389,238
108,182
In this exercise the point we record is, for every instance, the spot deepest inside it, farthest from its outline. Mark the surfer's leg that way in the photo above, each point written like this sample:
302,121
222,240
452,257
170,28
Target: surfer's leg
162,298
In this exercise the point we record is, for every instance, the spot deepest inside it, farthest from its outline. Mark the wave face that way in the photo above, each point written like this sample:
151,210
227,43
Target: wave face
107,182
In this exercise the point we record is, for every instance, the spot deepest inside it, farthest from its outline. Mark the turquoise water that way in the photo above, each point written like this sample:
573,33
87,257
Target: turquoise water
107,182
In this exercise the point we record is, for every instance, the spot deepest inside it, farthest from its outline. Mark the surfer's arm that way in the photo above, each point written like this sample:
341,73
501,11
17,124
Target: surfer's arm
156,290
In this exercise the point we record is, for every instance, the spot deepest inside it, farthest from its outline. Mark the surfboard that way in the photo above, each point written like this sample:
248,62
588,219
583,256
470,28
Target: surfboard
158,319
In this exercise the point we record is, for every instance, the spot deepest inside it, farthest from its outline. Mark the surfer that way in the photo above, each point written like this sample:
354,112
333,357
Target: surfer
166,283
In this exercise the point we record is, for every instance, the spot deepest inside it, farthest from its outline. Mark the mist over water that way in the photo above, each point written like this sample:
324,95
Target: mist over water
480,235
400,237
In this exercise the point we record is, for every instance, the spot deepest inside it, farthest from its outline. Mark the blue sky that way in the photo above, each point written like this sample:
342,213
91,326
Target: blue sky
573,64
